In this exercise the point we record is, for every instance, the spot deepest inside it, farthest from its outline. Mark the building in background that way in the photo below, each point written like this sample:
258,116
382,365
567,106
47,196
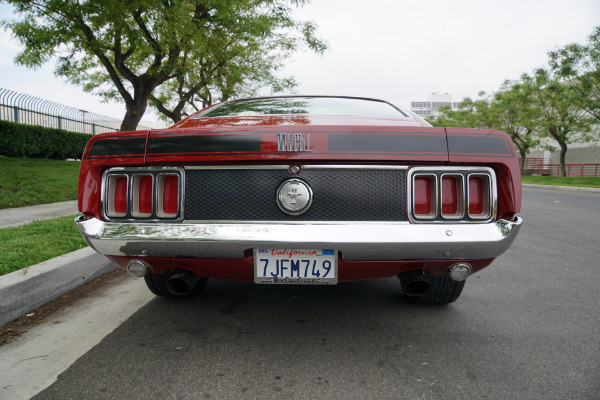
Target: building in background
433,104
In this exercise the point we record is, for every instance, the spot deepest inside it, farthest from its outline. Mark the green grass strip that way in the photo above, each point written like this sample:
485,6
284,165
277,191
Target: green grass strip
579,181
23,246
31,181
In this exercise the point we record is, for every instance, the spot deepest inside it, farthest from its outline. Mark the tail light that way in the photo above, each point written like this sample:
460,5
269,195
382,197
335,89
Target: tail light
479,196
466,194
117,195
142,196
452,196
424,196
143,193
168,195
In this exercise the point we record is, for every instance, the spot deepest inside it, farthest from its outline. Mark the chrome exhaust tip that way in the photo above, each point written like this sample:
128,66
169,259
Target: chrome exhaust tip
415,283
137,268
417,287
459,271
182,283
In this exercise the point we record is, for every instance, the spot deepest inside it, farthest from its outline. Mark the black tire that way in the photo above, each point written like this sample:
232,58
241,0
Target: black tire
442,290
157,283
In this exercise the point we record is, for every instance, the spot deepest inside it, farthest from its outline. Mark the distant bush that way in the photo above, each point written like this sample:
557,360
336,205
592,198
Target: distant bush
18,140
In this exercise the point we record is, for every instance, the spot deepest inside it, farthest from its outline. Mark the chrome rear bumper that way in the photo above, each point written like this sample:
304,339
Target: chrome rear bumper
355,241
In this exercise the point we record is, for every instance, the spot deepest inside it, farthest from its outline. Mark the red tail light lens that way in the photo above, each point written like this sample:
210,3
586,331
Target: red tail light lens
475,195
142,196
117,196
479,197
449,195
452,196
145,200
168,196
121,195
424,196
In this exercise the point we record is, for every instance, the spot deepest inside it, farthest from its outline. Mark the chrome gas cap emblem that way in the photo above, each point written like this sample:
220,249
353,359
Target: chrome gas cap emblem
294,196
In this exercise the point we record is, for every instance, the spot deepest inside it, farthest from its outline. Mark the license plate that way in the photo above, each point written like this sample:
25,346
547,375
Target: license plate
295,266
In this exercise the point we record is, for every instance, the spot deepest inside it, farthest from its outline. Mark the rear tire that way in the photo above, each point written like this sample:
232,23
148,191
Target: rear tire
443,290
157,283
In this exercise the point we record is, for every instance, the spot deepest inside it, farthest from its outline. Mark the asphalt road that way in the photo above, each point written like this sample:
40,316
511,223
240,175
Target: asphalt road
527,327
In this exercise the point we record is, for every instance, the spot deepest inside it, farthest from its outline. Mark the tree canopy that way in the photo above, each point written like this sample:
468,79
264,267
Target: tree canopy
561,103
509,110
125,49
560,116
244,66
580,66
513,111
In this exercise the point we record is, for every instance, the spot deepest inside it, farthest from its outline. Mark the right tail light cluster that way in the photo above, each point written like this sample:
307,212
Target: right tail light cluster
450,194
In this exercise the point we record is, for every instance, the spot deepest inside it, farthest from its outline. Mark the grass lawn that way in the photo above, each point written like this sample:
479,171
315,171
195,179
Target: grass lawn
580,181
23,246
31,181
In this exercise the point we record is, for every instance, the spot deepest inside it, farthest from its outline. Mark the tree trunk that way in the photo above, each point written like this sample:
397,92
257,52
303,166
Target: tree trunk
136,108
563,153
131,119
523,156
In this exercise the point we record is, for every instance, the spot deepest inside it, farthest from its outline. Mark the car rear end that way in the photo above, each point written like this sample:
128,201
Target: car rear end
303,200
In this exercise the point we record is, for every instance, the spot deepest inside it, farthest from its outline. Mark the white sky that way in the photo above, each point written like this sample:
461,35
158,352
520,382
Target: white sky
396,50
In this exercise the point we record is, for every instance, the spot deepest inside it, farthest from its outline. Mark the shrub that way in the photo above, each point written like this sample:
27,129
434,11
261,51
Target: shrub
18,140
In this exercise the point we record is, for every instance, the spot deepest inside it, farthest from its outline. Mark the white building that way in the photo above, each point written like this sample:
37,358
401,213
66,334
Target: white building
433,104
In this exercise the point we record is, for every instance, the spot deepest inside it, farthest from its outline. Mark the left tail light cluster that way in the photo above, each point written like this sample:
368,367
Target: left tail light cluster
452,194
133,194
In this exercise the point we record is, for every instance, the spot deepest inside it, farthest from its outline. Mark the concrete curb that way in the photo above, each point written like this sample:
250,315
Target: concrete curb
562,188
24,290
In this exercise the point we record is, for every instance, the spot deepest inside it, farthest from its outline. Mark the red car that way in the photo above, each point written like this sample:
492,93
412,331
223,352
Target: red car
301,190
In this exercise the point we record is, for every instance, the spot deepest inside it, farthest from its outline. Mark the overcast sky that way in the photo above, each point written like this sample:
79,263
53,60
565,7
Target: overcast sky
396,50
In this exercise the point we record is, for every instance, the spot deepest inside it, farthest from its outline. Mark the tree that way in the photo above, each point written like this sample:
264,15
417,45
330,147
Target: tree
580,66
513,112
470,114
248,66
125,49
508,110
559,115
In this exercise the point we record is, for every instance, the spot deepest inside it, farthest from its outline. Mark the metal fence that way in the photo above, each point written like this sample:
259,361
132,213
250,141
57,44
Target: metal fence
29,110
537,166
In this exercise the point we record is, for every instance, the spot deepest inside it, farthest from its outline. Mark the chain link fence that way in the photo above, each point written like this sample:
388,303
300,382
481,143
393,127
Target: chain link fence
25,109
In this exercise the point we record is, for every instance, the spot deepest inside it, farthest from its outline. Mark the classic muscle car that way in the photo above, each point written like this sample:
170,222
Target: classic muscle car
301,190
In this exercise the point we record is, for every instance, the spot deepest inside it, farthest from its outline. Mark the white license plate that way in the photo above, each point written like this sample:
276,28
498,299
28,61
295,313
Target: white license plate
295,266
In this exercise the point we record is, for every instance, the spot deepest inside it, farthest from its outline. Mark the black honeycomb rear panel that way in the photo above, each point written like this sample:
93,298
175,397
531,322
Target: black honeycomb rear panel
339,195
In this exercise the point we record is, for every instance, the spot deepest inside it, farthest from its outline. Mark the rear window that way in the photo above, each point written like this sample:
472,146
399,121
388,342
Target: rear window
304,105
